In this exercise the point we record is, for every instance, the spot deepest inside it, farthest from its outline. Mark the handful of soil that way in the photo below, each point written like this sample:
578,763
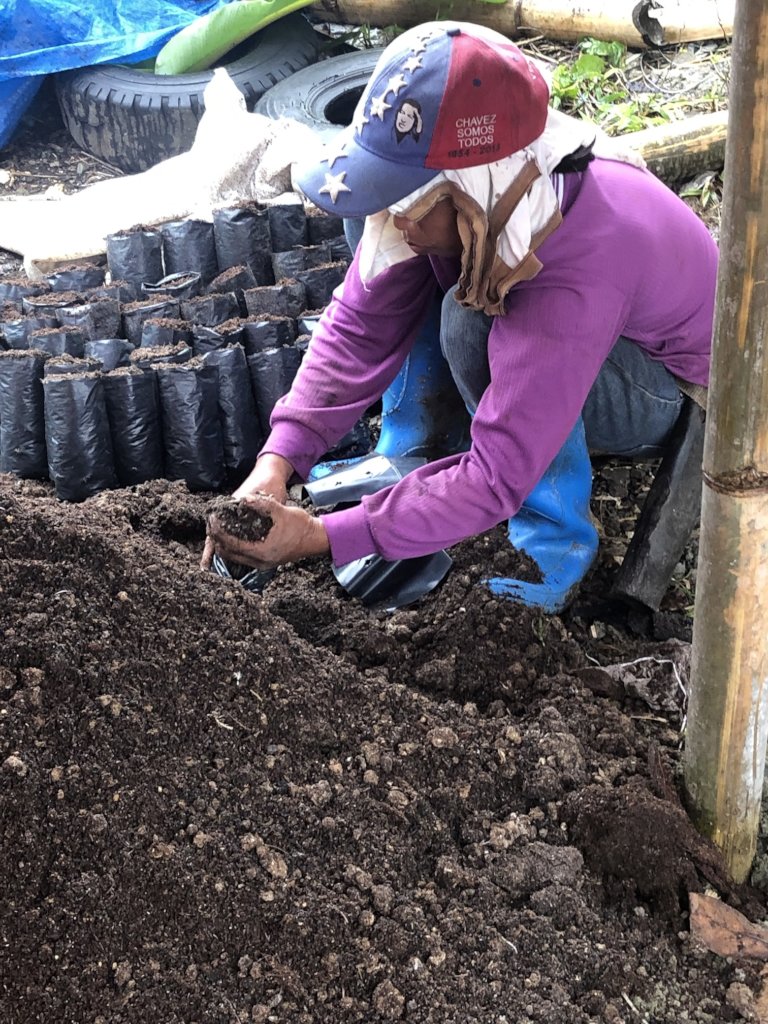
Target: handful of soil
240,519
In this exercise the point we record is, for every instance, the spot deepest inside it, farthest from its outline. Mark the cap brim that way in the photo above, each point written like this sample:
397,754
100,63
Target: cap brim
354,182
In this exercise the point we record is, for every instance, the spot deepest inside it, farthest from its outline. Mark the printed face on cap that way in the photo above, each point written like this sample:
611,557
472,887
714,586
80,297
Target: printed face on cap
443,96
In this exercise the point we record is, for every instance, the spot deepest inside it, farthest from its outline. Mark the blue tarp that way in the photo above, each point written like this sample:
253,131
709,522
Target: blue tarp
38,37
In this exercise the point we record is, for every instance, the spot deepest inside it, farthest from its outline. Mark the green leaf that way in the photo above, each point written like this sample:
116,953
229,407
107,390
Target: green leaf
199,45
589,65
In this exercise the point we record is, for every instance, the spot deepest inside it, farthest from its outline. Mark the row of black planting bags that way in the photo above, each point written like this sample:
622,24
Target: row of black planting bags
180,384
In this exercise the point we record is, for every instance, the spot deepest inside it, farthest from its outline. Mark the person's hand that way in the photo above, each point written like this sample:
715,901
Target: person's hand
294,534
270,475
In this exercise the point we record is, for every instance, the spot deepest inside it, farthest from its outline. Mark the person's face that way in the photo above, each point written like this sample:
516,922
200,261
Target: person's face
405,118
436,234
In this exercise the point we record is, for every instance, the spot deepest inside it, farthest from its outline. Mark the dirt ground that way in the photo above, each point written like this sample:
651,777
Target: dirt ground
224,807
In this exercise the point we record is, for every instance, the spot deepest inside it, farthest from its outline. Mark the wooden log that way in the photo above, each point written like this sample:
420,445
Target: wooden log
728,710
681,149
625,21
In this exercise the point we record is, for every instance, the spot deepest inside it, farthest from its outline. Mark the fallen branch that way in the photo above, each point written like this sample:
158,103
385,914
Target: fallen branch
647,23
681,149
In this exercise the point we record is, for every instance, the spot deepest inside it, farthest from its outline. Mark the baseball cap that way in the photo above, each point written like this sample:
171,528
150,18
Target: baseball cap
443,96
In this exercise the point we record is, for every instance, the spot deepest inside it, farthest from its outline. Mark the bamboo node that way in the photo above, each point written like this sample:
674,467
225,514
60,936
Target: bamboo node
738,481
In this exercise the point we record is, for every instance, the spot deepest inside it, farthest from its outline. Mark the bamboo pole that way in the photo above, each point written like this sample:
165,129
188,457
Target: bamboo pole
728,713
625,21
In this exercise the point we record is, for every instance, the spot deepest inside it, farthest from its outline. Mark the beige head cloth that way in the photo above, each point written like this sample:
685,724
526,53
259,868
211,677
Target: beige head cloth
505,211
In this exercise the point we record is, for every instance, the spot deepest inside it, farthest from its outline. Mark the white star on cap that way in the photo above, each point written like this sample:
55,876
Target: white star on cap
334,154
334,183
378,106
395,84
413,64
420,46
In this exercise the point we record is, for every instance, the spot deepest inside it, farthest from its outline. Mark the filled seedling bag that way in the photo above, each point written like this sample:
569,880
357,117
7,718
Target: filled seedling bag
188,245
268,332
288,298
76,278
14,289
287,225
147,357
272,373
69,364
16,332
94,316
321,227
136,313
160,332
210,310
133,408
184,285
286,265
57,341
209,339
192,436
135,255
241,432
77,436
22,420
110,352
241,235
236,280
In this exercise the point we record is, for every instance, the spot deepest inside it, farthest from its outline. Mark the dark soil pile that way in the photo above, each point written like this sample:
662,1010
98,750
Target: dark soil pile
221,807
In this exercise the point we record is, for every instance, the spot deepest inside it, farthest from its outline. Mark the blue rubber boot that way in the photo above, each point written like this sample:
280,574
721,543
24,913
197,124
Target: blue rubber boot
555,529
422,413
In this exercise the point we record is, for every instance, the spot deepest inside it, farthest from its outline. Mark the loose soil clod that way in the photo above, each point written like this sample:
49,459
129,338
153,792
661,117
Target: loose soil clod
241,519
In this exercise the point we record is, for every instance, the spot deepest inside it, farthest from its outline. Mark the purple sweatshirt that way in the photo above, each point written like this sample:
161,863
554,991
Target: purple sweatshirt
630,258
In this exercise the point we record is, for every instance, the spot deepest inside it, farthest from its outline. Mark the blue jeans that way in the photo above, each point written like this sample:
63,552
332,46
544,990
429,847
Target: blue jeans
630,409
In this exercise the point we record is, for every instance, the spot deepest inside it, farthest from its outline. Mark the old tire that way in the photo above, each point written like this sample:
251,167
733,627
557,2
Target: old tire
323,96
132,119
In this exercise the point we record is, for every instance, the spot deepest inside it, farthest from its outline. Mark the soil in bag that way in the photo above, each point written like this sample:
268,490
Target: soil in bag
286,265
123,291
241,235
188,245
146,357
16,330
133,408
192,437
210,339
57,341
13,290
22,420
76,277
69,364
210,310
320,282
239,419
287,225
49,302
321,227
94,316
136,313
159,332
109,352
236,280
80,461
135,255
184,285
272,373
288,298
268,332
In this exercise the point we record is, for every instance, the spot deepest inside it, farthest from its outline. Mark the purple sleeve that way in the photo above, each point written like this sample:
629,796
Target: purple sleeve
358,347
544,355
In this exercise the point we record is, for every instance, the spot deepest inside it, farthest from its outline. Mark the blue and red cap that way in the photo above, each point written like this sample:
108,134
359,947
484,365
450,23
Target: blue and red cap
443,96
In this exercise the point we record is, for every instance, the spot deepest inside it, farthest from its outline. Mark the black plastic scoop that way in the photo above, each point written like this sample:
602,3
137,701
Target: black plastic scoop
373,580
